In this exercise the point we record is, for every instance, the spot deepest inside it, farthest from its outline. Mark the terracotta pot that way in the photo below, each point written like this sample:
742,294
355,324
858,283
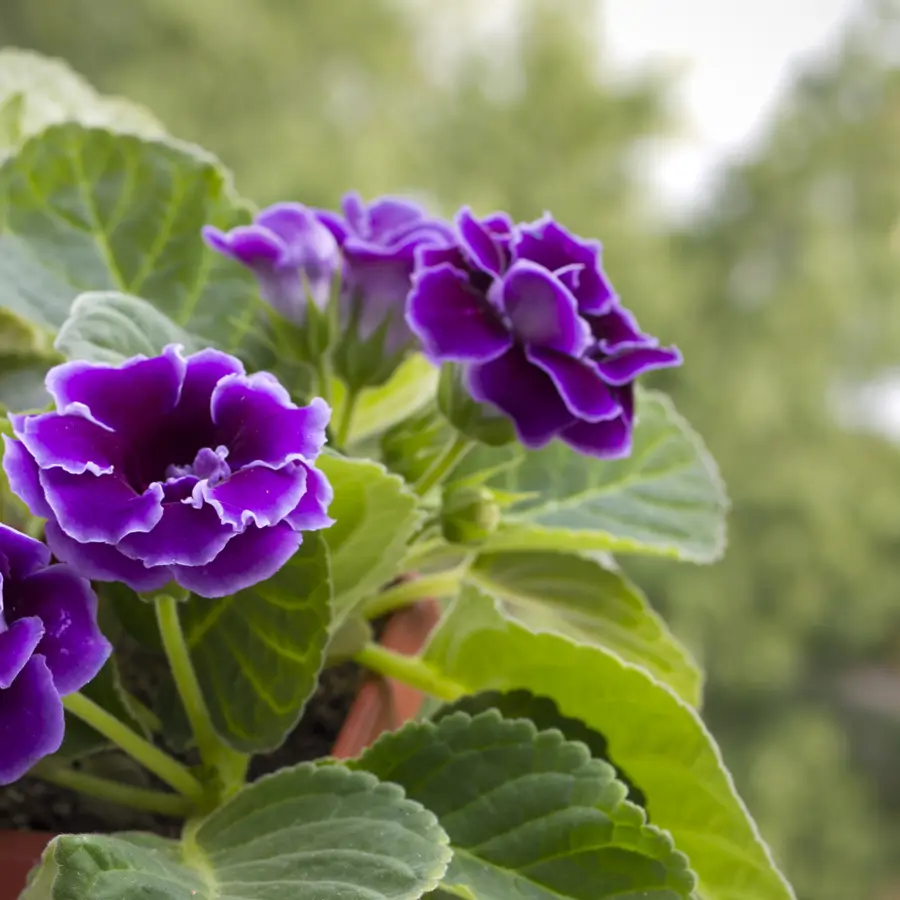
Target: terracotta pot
381,705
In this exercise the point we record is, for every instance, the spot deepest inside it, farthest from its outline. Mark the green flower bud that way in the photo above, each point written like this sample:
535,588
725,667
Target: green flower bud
469,515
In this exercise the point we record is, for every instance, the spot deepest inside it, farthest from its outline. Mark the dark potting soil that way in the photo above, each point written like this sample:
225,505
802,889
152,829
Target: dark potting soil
37,806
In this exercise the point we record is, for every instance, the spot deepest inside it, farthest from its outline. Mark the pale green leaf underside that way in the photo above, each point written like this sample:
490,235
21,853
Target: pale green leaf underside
375,515
258,653
579,597
529,813
658,739
666,499
305,833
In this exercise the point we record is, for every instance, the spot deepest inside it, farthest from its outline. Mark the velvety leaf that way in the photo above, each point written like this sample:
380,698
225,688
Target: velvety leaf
666,499
92,209
109,327
25,355
375,516
580,597
528,813
305,833
653,734
258,653
36,91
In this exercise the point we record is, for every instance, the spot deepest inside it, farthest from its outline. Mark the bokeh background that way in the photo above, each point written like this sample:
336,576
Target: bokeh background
763,239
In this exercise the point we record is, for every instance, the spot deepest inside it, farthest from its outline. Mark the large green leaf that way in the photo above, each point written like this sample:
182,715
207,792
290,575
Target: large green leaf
653,734
36,91
375,515
86,209
666,499
305,833
579,597
529,813
258,652
109,327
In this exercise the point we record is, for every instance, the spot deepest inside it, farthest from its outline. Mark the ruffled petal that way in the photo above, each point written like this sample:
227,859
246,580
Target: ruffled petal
204,370
103,562
72,644
525,393
311,513
256,495
335,224
31,720
605,440
389,215
542,310
17,645
131,398
24,477
622,369
261,425
617,330
249,558
100,508
185,535
250,245
72,442
579,384
479,244
451,320
23,553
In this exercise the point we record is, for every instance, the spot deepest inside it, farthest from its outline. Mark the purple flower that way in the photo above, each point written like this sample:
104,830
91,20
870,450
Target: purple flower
379,242
289,251
172,468
531,315
50,646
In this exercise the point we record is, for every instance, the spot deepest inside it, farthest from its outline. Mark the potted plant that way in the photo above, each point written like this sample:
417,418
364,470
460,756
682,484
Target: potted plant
248,439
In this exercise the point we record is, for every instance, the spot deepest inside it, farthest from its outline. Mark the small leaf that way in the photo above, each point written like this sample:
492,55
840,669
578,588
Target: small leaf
375,515
666,499
109,327
655,736
581,598
258,653
308,833
528,813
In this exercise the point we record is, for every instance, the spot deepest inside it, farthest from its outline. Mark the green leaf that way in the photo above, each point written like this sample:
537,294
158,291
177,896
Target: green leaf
375,515
581,598
528,813
666,499
36,91
258,652
655,736
408,390
109,327
305,833
25,355
89,209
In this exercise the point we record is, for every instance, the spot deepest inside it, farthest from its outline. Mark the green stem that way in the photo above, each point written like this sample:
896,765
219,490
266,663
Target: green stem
444,584
167,769
411,670
343,431
323,376
114,791
218,756
442,466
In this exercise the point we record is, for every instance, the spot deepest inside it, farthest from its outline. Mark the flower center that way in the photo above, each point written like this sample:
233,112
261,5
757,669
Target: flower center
208,465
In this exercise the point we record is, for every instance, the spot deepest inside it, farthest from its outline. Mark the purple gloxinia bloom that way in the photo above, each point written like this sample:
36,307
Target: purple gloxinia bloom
168,468
50,646
379,242
530,314
289,251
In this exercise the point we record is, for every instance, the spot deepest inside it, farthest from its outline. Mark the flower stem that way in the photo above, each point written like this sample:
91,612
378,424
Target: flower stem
443,465
165,804
349,408
443,584
411,670
230,764
167,769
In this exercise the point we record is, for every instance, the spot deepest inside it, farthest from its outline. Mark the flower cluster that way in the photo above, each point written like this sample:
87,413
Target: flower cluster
50,646
530,313
172,468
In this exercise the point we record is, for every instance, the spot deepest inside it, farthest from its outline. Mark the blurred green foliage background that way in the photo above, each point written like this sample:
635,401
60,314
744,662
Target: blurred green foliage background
783,294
